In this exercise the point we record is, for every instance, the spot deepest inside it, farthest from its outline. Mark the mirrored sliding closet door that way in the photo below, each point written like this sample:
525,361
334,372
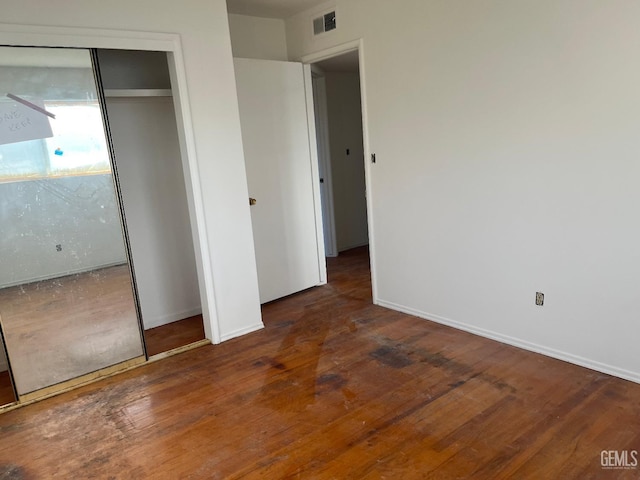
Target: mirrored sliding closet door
67,304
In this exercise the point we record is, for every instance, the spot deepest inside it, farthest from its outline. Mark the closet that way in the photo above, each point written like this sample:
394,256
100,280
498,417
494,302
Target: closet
97,264
142,123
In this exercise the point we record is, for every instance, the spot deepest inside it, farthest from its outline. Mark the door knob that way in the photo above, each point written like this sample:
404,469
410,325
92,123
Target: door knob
252,201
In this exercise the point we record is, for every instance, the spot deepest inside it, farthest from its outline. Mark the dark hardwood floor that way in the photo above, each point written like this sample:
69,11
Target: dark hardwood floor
174,335
6,390
333,388
158,340
61,328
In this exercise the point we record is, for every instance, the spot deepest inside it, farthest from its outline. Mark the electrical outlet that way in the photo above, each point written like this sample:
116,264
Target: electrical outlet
539,298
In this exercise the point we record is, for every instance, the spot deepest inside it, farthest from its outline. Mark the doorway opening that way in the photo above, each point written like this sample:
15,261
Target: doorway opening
341,157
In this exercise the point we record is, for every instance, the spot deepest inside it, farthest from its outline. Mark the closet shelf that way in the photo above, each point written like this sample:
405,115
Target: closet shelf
138,92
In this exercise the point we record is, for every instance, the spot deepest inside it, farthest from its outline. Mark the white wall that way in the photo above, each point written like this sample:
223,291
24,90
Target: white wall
507,147
130,69
153,192
224,229
256,37
78,213
147,154
347,170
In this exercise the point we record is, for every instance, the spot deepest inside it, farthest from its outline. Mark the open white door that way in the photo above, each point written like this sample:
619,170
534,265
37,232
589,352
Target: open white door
324,164
279,149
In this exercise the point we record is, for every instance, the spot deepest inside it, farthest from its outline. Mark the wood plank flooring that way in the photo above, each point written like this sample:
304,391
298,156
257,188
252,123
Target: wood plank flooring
61,328
6,389
64,327
333,388
174,335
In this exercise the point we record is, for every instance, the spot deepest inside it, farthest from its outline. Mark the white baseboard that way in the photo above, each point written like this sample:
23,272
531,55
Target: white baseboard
160,320
241,331
516,342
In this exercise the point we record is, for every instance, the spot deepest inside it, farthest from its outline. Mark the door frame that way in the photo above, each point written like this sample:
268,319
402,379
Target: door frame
72,37
358,45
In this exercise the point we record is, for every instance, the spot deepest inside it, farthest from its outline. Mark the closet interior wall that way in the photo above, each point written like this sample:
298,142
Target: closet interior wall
143,129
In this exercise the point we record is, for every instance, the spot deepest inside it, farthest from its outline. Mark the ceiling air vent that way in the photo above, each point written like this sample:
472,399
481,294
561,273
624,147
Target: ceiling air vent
325,23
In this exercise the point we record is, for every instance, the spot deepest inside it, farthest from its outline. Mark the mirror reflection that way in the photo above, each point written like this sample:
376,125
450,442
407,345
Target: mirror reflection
66,298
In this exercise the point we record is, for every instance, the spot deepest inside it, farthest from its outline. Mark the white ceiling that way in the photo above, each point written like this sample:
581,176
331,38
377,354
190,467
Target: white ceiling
270,8
285,9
